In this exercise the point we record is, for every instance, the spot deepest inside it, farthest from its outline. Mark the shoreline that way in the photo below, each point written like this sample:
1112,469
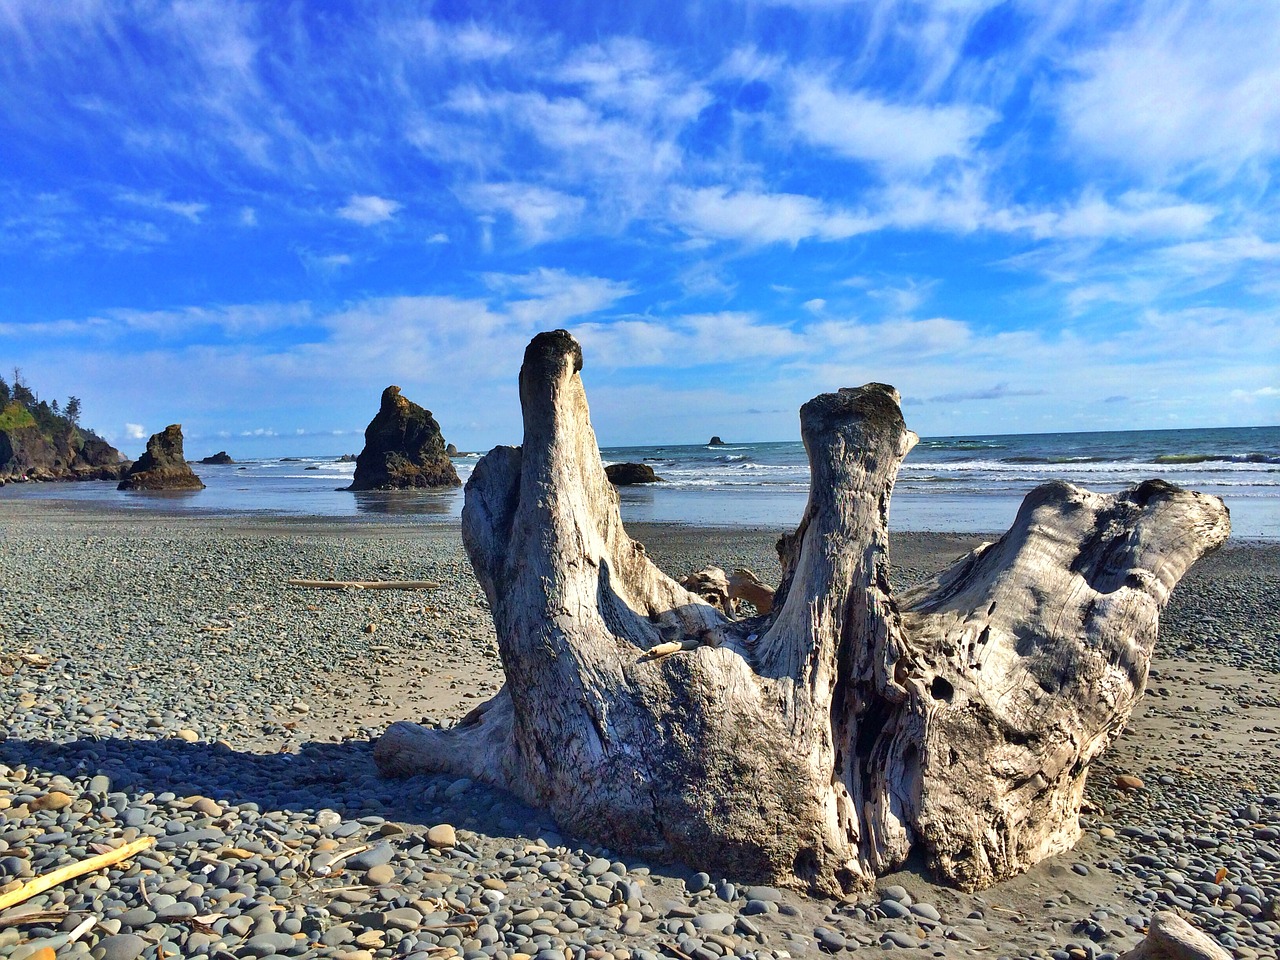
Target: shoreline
230,494
182,669
69,508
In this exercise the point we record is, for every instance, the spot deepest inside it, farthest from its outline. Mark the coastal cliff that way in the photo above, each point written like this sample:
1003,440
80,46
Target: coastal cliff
57,450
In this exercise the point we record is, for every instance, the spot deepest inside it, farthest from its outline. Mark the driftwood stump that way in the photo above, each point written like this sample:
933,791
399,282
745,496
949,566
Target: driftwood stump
818,745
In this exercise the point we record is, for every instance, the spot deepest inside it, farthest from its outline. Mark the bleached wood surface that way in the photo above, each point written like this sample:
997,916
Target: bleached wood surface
819,745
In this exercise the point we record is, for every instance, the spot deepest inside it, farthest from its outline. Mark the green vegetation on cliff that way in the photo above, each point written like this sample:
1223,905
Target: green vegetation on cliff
44,440
15,415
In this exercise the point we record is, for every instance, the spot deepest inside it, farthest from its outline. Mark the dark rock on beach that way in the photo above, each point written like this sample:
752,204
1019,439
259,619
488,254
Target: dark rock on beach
218,459
403,448
163,466
626,474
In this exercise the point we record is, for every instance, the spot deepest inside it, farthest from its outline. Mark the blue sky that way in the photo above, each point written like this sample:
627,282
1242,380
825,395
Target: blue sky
1028,216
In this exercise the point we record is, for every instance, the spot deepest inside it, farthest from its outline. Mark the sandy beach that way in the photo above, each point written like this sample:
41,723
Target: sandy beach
159,677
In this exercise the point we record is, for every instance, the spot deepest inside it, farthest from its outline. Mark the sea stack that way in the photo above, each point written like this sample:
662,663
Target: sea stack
218,459
715,442
163,466
403,449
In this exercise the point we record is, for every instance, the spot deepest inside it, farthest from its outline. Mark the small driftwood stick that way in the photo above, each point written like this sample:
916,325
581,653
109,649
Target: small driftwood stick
83,927
34,916
55,877
365,584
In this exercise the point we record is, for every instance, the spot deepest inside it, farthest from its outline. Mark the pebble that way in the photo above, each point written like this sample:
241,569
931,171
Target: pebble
121,946
896,909
442,835
375,856
897,938
830,940
53,800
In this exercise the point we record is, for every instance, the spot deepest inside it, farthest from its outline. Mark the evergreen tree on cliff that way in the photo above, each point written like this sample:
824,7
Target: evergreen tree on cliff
44,441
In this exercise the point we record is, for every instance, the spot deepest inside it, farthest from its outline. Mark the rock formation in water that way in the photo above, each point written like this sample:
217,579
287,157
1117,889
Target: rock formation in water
715,442
218,459
625,474
163,466
403,448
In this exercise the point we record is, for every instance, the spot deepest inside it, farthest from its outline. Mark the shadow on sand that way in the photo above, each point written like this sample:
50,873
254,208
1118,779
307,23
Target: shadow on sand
335,776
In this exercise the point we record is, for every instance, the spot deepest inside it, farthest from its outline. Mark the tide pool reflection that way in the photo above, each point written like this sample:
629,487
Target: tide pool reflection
442,503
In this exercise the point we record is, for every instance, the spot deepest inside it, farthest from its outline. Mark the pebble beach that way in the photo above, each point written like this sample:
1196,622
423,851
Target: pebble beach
159,678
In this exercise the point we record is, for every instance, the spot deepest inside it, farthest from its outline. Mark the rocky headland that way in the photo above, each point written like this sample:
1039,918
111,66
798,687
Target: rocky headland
403,449
60,450
163,466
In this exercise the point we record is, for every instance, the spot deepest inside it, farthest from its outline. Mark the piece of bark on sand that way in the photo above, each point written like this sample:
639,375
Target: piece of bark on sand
819,746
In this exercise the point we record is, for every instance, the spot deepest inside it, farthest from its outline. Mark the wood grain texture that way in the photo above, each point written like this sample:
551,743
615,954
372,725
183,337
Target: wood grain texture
819,744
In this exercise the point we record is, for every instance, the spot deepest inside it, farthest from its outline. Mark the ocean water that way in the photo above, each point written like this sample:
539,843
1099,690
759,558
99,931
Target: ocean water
968,484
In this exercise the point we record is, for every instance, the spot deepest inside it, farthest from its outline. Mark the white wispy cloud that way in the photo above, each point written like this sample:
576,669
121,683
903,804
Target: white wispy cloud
760,217
188,209
997,392
1180,87
539,213
426,40
898,136
368,210
685,341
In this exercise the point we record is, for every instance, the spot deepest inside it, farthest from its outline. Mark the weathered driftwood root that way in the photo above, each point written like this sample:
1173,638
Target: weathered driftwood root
723,591
817,745
745,585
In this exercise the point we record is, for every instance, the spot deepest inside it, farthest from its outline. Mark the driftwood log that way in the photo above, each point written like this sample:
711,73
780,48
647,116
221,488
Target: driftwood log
820,744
